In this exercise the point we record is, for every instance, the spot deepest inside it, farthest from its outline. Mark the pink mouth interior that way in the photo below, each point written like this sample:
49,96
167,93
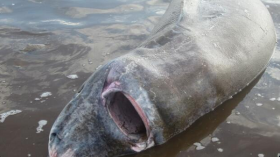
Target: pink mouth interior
126,115
125,112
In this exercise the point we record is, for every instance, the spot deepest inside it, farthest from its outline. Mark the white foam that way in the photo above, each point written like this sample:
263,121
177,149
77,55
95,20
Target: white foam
198,146
278,99
259,104
220,150
215,139
41,124
260,155
37,99
73,76
3,116
228,122
272,99
45,94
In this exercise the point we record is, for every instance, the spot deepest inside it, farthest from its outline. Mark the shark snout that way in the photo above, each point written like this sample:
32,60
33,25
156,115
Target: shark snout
54,140
59,145
54,137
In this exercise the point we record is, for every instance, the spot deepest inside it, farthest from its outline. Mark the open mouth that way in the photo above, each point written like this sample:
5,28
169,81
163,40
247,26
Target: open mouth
126,113
128,116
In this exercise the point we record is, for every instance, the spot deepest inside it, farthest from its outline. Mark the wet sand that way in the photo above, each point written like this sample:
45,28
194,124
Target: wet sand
43,42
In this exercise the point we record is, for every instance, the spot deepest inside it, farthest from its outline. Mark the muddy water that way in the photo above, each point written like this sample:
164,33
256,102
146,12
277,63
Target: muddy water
48,48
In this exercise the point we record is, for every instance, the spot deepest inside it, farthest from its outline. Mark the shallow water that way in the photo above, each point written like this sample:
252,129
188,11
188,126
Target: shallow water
48,48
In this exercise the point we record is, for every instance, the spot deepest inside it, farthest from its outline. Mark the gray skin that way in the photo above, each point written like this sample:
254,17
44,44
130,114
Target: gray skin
201,53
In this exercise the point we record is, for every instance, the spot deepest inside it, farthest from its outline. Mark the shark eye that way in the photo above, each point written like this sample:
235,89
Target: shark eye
126,117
